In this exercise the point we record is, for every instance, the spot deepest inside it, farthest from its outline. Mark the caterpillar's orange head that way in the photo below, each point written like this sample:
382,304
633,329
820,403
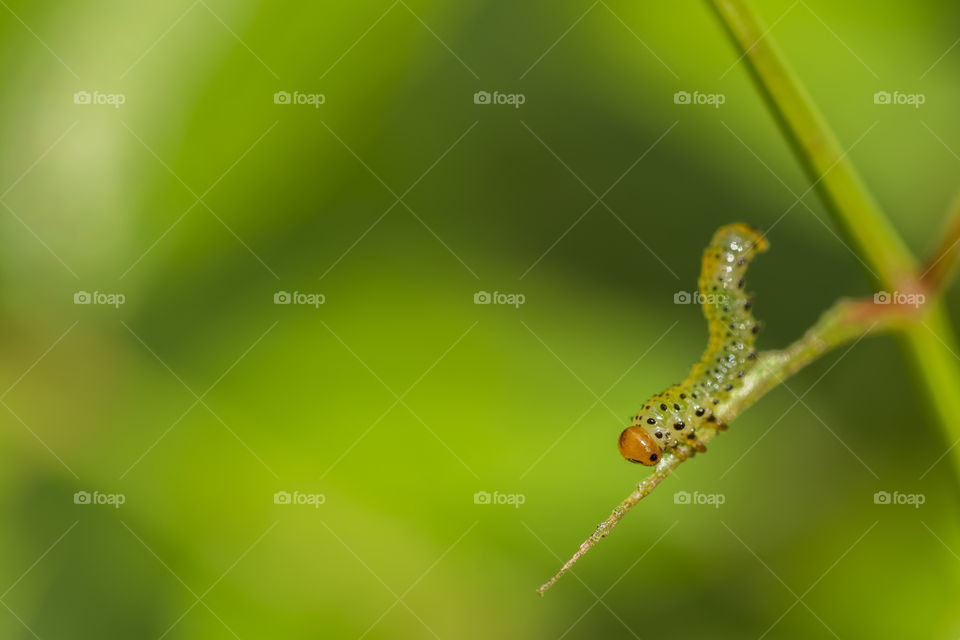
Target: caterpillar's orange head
636,445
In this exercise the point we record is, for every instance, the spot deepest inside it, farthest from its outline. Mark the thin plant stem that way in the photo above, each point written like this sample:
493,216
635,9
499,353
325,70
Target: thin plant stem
825,160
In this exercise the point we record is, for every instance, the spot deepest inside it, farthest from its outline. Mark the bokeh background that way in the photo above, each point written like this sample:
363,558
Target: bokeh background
398,399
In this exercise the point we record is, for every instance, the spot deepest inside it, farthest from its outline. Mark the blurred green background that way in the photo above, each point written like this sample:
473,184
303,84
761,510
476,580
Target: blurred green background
398,399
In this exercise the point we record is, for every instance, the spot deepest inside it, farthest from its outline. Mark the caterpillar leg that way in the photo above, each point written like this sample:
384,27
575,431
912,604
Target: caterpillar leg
698,445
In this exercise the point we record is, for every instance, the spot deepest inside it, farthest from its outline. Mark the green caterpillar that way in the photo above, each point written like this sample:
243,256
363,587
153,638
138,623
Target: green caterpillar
671,420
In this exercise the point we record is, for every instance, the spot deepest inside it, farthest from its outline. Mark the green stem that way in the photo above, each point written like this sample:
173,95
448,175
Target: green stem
933,352
823,158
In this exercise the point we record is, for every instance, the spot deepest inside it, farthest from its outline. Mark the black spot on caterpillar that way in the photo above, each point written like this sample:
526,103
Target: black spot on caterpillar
672,418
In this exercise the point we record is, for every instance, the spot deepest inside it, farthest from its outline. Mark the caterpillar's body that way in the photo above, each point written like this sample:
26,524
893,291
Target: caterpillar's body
672,419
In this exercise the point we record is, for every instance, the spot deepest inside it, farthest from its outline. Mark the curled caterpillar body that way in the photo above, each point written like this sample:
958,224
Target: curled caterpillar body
672,418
